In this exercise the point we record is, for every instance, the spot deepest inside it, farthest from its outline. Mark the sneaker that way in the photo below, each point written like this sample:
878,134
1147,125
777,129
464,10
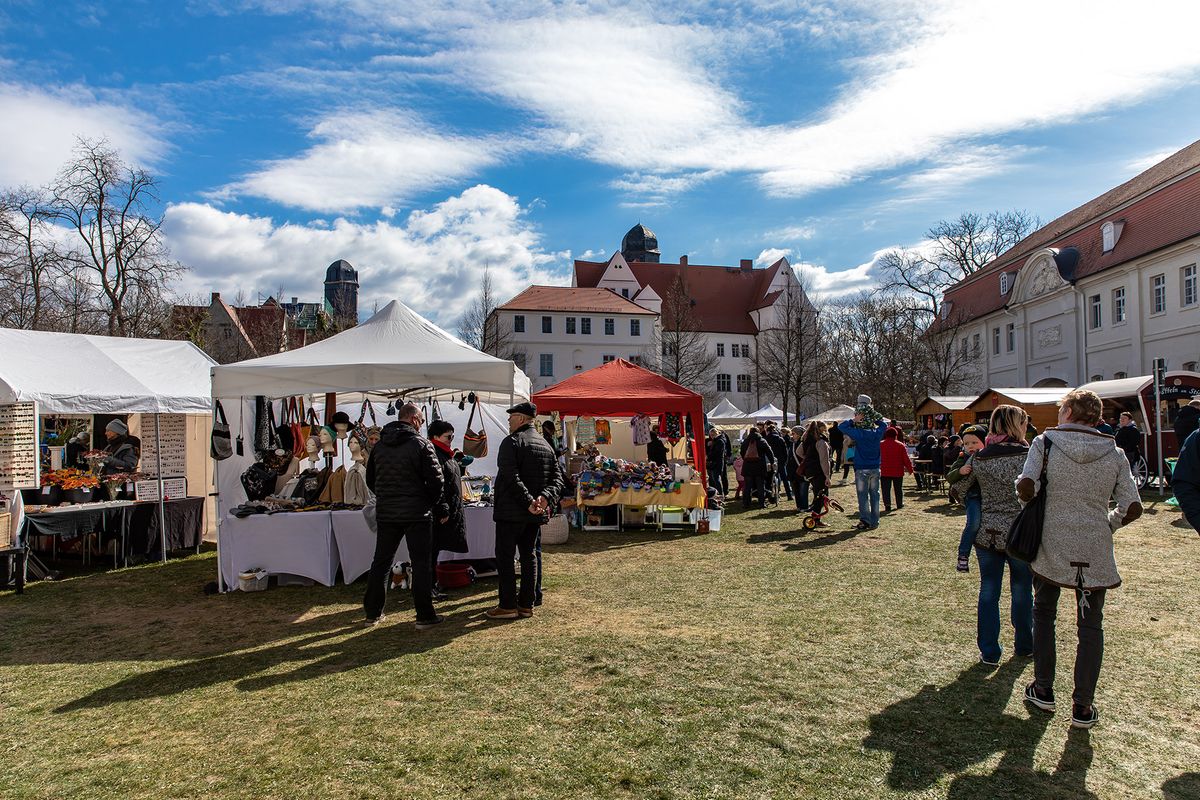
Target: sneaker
820,524
887,509
964,564
371,623
899,506
1082,717
1042,699
524,613
862,526
500,613
984,660
437,594
537,601
422,624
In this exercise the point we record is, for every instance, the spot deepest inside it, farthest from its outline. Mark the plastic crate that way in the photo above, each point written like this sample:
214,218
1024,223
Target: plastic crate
253,581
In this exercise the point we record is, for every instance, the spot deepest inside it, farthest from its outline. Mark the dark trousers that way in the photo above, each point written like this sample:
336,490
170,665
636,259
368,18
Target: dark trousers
419,536
513,538
785,480
820,490
755,485
714,478
893,486
1089,651
846,469
800,485
724,479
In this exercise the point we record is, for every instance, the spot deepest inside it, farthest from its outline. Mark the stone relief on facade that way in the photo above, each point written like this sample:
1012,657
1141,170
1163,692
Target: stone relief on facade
1049,337
1045,278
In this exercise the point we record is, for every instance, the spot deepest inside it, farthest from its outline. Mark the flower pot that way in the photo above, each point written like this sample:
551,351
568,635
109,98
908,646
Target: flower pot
112,490
76,496
50,498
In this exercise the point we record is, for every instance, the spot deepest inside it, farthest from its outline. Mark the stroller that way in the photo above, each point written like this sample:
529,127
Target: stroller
814,517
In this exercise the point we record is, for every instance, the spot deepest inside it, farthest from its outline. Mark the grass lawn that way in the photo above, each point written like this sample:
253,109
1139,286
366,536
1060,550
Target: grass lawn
754,662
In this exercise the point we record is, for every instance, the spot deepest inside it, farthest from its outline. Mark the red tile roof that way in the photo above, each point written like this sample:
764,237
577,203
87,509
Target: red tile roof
570,298
1160,207
723,296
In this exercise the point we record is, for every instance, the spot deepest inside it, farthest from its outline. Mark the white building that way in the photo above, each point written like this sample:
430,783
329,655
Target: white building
1102,292
554,332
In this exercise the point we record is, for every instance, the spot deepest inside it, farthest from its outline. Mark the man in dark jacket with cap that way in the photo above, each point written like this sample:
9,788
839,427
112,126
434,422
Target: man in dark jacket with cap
123,453
404,473
528,484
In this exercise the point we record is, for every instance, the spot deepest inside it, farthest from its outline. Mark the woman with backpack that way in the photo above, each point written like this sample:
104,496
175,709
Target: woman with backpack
757,459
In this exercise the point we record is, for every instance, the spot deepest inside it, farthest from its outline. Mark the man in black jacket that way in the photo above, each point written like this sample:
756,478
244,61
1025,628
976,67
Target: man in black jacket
528,484
714,458
1129,438
757,458
779,448
1187,421
404,473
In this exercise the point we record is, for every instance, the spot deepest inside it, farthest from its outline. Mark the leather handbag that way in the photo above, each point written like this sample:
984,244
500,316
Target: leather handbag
360,427
293,422
475,443
1025,535
221,446
258,481
282,430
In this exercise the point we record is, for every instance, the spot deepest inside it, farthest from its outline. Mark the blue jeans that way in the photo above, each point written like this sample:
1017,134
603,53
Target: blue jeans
866,485
974,506
1020,585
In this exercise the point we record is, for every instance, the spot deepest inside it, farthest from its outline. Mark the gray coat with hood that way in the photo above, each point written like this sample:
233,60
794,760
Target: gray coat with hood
1084,471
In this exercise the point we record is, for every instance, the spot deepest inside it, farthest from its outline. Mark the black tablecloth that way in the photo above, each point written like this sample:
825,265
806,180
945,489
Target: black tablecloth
69,524
185,525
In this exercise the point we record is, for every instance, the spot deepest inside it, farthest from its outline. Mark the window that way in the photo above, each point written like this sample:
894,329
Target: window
1188,281
743,383
570,324
668,347
1097,377
607,359
746,353
975,344
1189,366
1108,236
625,293
1158,294
610,326
733,350
1095,317
546,362
1003,283
724,384
995,341
1120,375
635,327
519,323
963,347
1118,304
1010,335
721,351
585,326
547,325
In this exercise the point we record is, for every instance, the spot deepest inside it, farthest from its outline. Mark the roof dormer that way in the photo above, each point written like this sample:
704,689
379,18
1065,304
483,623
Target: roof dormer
1110,234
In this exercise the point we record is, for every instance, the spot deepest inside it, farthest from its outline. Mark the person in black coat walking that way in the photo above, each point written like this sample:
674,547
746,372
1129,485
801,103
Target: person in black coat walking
714,459
449,522
404,473
757,461
780,449
1187,421
528,484
1129,438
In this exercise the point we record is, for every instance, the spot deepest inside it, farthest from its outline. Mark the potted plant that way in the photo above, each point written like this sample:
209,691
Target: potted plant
75,485
116,481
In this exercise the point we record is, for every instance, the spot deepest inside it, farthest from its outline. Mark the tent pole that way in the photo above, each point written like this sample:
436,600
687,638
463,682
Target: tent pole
162,509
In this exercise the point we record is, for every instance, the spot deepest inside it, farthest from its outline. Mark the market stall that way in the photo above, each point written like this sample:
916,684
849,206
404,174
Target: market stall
623,389
839,413
944,413
394,357
1040,403
727,414
154,390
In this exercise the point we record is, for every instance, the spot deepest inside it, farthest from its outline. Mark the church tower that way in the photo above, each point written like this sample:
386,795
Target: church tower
341,293
640,244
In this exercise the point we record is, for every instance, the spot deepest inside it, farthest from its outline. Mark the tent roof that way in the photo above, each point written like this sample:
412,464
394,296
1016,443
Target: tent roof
947,402
1121,387
768,412
73,373
835,414
1032,394
619,389
397,349
726,410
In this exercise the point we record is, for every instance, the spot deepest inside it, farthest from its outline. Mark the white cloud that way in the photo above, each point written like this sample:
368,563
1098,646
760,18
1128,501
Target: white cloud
770,255
792,233
432,261
1142,163
368,159
39,126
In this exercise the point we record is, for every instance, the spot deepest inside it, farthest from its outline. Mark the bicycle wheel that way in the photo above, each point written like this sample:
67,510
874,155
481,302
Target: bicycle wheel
1141,472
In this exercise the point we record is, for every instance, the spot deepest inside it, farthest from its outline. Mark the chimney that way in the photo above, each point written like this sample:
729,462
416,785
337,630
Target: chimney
295,300
683,261
747,264
216,297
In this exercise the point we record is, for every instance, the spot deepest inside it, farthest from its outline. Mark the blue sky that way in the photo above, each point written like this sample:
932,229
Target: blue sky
426,141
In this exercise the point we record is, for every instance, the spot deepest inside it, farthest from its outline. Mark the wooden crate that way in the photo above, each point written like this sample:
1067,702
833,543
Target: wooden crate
6,534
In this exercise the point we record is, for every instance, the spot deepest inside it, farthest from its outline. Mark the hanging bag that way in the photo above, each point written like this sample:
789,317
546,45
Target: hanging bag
283,431
221,446
1025,535
475,443
293,421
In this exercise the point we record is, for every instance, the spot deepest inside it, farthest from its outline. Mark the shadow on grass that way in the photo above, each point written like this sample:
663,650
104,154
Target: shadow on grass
942,731
1182,787
585,542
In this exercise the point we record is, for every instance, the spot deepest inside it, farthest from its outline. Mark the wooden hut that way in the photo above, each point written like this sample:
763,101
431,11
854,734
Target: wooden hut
944,412
1040,403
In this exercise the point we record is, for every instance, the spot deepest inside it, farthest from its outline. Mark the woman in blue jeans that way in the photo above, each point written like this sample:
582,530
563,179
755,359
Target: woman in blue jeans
995,470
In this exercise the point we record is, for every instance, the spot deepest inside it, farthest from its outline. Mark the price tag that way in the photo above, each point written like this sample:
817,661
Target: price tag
46,489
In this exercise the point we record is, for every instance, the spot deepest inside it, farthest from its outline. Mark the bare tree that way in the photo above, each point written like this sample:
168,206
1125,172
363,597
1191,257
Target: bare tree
789,357
108,206
480,325
677,349
29,259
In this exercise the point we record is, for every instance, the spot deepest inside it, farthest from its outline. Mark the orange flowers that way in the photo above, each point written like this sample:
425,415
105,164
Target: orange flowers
70,479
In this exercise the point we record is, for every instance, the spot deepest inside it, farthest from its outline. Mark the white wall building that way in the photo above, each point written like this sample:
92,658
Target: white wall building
1099,293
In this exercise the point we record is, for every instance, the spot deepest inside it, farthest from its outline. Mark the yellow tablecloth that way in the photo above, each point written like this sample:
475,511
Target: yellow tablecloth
690,495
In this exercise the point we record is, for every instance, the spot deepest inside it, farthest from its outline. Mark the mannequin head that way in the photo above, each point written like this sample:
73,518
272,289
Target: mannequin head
356,449
312,445
326,435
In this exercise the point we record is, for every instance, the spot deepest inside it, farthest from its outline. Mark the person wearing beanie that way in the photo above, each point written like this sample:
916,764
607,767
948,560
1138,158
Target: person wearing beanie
866,431
122,452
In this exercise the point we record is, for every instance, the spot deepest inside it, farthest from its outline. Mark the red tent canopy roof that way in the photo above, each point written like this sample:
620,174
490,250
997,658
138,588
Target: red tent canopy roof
617,389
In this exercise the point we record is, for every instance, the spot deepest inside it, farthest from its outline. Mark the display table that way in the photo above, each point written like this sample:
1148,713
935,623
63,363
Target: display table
690,495
135,524
185,526
356,542
293,544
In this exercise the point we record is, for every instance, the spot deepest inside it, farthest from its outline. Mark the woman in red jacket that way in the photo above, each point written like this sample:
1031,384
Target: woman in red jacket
893,463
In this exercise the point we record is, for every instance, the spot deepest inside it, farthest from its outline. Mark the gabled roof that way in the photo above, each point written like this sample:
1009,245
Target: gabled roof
1160,207
723,297
569,298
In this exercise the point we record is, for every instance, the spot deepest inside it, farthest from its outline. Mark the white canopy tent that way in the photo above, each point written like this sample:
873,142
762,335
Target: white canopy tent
73,373
397,350
726,413
768,413
838,413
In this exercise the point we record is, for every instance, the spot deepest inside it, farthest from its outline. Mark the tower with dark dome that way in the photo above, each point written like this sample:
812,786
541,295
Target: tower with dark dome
640,244
341,293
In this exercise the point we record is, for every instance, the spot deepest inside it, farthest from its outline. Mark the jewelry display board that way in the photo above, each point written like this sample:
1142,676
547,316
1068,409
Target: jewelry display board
172,435
19,446
173,488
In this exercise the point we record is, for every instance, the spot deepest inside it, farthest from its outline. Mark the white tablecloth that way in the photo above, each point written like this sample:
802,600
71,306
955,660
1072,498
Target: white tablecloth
295,544
356,543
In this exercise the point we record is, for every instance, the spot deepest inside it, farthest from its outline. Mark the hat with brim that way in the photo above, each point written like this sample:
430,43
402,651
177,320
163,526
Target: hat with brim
528,409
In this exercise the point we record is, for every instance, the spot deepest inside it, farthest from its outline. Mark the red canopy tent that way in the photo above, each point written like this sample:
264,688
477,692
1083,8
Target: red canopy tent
623,389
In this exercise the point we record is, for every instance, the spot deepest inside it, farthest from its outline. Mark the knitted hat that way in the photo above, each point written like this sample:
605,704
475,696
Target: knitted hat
117,427
863,400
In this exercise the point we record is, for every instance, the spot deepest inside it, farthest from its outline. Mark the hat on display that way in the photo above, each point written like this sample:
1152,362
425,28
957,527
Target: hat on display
117,427
342,418
528,409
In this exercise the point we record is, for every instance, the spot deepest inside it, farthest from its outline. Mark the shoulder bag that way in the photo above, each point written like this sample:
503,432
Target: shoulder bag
475,443
221,446
1025,535
292,418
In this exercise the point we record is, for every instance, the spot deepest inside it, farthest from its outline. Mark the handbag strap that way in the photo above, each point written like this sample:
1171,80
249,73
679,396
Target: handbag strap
471,417
219,413
272,434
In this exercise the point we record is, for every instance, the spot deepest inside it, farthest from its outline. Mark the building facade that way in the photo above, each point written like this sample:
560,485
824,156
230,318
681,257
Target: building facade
1105,291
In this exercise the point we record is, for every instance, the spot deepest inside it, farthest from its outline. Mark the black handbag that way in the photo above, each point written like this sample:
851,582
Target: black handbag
1025,535
310,485
282,431
258,481
221,446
